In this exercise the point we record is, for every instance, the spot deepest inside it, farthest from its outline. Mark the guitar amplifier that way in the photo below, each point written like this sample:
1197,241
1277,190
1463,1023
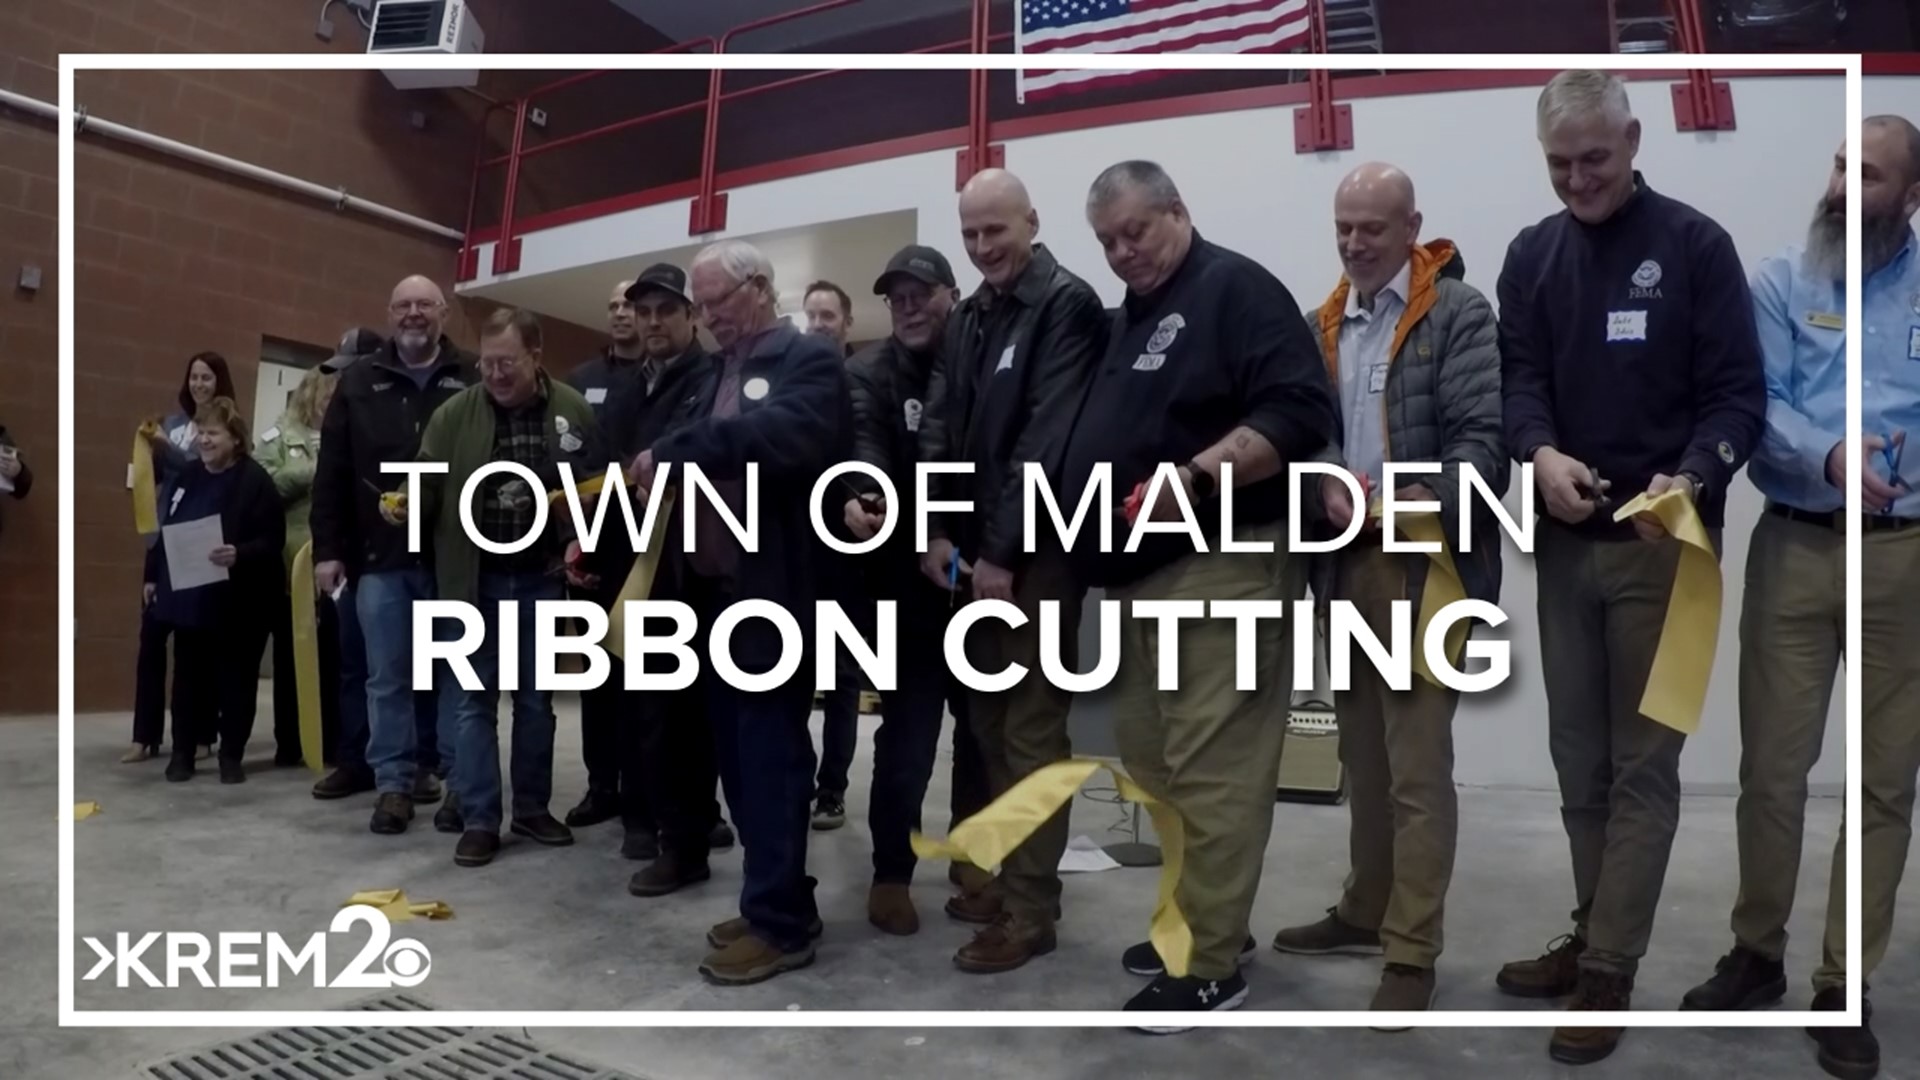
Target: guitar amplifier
1310,769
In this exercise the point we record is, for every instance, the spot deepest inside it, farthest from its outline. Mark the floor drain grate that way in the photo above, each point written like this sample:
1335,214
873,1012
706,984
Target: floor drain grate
355,1053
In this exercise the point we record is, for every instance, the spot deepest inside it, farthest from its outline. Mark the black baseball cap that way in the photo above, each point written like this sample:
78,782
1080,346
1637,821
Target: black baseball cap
356,343
665,277
916,261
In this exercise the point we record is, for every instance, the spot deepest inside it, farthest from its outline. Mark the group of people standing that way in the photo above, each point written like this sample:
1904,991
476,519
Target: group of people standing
1630,354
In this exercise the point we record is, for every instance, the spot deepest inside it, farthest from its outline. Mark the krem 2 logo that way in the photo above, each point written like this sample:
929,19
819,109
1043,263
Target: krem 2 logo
250,960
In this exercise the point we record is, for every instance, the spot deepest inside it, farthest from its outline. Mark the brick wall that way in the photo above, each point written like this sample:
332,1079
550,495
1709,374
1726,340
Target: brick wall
172,259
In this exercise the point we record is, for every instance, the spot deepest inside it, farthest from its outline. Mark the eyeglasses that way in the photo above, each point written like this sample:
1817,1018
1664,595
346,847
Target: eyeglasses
425,307
705,306
490,364
908,302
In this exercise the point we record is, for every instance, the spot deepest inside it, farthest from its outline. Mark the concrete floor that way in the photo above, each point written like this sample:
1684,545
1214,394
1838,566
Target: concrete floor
555,929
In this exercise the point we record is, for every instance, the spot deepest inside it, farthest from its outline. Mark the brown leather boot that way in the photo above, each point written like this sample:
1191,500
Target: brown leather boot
890,907
1596,991
968,878
979,908
1008,943
1555,973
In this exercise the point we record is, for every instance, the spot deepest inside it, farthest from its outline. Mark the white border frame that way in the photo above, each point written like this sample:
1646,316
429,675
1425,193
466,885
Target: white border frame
1850,65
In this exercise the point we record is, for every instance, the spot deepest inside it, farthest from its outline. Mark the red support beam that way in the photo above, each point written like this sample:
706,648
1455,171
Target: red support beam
1700,103
980,153
506,250
1321,125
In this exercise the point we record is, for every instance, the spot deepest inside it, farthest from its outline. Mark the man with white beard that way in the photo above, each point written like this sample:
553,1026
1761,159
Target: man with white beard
1794,606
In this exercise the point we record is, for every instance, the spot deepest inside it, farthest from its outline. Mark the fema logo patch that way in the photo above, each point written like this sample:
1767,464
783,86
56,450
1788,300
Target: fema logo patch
1646,282
1726,452
1169,329
913,410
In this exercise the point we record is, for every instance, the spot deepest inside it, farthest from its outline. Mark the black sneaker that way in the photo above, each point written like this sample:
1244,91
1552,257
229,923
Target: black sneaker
1144,959
542,828
287,759
829,812
426,788
476,848
180,768
1188,994
232,772
640,843
1848,1053
391,812
343,782
1742,980
721,838
596,807
448,818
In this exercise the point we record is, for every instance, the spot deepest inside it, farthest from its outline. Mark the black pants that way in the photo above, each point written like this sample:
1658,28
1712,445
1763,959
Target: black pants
671,748
216,685
908,741
150,682
286,686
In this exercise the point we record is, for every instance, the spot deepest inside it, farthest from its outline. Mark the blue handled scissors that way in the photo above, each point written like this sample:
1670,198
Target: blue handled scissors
953,578
1892,451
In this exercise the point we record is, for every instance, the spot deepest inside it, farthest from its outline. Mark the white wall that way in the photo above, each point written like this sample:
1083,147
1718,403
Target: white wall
1480,177
1897,94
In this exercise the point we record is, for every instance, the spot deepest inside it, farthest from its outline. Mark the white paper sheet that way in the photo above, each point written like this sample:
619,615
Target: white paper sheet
1083,856
188,544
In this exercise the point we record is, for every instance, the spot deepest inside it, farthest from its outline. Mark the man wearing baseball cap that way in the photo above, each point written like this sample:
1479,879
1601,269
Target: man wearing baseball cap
888,384
356,343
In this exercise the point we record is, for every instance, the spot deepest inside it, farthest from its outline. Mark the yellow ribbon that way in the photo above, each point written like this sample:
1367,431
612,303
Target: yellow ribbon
587,490
146,515
988,837
640,579
1443,587
85,810
393,903
306,659
1676,692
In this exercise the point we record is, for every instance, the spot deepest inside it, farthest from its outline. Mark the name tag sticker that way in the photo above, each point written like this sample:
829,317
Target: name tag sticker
1377,379
1626,326
1913,343
1827,320
596,395
1006,361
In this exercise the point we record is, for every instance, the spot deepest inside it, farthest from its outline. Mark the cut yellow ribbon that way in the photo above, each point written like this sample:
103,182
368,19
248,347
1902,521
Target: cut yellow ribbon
393,903
1443,587
640,579
146,510
306,659
85,810
988,837
587,490
1676,692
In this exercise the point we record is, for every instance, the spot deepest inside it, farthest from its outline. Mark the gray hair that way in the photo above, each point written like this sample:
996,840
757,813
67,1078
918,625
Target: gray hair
1583,93
739,260
1145,176
1910,142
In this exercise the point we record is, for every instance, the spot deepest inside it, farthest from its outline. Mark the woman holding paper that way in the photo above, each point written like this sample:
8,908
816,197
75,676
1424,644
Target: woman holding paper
214,579
170,443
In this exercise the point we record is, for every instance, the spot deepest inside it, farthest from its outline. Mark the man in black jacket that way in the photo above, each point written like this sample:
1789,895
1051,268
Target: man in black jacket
888,383
1210,364
668,775
775,399
377,415
1003,393
14,474
1630,363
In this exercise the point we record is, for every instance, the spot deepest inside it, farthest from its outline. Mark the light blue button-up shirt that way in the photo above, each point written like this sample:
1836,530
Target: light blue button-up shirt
1801,319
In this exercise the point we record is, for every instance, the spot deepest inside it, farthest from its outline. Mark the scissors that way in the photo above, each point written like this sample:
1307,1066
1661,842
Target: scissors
953,579
1892,451
1595,489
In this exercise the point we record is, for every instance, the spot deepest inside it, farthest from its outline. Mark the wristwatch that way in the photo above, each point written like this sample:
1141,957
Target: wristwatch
1202,481
1699,485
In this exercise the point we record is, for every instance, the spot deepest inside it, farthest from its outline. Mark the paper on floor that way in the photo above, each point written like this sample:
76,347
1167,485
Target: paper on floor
1083,856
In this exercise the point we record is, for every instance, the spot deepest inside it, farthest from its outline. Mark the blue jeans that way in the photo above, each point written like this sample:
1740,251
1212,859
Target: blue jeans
407,729
478,784
350,752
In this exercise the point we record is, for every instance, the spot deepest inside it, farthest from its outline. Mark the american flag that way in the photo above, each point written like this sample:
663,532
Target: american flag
1149,26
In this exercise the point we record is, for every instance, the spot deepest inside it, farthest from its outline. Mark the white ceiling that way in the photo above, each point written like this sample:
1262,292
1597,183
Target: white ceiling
851,253
683,20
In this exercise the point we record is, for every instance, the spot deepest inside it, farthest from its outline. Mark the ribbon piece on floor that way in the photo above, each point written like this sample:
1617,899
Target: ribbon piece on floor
1676,693
306,659
988,837
1443,587
146,509
85,810
393,903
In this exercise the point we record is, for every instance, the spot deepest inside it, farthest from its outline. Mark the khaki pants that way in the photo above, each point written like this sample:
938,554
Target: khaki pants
1210,752
1791,634
1602,606
1024,729
1397,747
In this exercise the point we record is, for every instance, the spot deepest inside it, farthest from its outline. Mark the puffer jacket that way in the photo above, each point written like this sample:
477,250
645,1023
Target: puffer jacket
1008,383
888,385
289,451
1443,404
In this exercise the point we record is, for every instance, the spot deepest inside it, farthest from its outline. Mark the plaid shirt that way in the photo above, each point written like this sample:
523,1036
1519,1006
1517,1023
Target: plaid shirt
506,509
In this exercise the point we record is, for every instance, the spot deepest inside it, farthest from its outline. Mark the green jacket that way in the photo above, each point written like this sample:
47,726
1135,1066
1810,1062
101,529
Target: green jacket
288,451
461,434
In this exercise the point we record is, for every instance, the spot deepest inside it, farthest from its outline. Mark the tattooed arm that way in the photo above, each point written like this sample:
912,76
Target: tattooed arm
1254,458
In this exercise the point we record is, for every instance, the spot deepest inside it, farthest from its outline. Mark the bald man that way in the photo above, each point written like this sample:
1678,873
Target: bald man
1413,362
1003,392
1794,608
378,412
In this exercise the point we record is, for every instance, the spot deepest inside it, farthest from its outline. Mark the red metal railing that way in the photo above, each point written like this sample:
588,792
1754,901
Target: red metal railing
1699,104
